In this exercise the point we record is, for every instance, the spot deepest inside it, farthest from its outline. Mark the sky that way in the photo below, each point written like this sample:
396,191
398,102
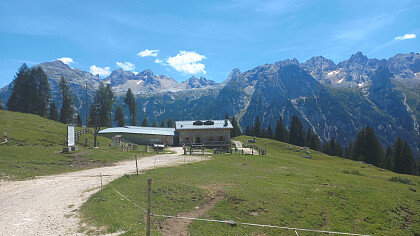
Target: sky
180,39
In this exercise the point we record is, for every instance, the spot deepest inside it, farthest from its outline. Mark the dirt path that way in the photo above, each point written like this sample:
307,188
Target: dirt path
48,205
238,145
179,227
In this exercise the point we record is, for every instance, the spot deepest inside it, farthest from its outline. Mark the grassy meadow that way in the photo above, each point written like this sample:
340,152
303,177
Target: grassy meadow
281,188
32,146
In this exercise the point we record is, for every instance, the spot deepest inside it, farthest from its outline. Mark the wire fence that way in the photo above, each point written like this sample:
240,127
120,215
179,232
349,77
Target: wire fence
232,223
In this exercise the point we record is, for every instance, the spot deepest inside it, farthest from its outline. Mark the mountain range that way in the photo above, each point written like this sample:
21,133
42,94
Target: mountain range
333,100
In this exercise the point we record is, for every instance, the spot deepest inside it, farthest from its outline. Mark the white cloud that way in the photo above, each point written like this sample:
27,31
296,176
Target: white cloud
187,62
135,72
406,36
148,53
66,60
126,65
100,71
157,61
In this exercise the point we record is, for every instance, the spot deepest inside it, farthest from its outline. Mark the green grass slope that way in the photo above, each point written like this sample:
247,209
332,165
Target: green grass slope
281,188
31,146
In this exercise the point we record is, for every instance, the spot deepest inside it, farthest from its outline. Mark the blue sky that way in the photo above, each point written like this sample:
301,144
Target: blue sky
202,38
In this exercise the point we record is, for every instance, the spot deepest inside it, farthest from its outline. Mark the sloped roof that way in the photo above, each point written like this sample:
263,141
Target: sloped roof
140,130
217,124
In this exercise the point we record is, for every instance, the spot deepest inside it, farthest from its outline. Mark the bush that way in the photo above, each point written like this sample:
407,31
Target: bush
403,180
352,172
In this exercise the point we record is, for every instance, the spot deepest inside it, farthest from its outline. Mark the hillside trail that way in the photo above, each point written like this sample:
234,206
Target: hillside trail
49,205
238,145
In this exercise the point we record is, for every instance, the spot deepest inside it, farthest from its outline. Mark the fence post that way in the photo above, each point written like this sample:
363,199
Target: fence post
86,141
137,168
149,189
101,180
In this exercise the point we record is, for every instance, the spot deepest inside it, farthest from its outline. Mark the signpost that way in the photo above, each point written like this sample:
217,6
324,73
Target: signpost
70,140
70,136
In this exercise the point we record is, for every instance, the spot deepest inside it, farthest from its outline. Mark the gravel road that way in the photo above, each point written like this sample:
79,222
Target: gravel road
48,205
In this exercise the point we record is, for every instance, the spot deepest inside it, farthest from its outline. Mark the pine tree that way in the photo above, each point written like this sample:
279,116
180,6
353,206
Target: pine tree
297,134
170,123
367,144
119,116
407,160
227,116
155,124
1,104
248,131
235,132
162,124
373,149
270,132
308,137
281,133
358,148
348,151
67,109
104,98
145,122
314,142
17,97
398,155
130,101
43,91
338,150
257,127
79,121
53,115
30,93
332,148
389,158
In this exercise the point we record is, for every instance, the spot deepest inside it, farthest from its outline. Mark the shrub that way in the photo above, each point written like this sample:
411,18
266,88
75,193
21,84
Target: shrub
403,180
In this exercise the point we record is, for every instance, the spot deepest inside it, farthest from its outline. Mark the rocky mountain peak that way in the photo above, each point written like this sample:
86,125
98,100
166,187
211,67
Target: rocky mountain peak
358,58
146,72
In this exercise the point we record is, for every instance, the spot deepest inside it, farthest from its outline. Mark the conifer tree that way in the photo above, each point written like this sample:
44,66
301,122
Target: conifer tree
17,97
248,131
348,151
170,123
367,145
130,101
269,132
389,158
398,155
43,91
104,98
257,127
408,160
297,134
332,147
155,124
145,122
53,115
281,133
119,116
308,137
1,104
162,124
235,132
314,142
67,109
338,150
79,121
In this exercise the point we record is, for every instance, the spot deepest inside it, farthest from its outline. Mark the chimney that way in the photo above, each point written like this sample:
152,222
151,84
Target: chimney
226,122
